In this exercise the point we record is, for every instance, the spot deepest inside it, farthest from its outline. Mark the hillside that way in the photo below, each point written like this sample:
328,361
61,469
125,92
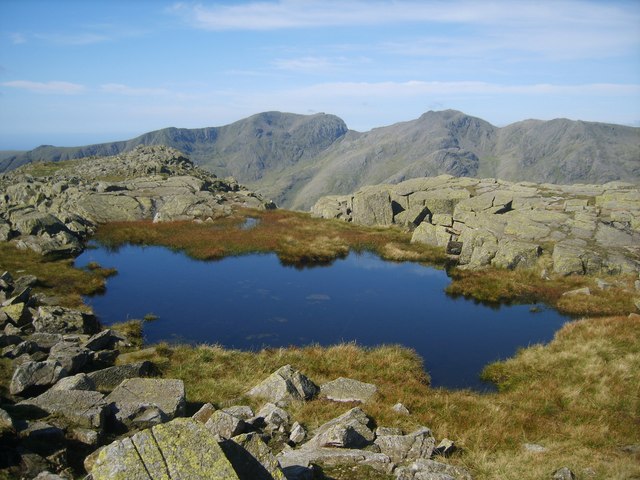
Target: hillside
295,159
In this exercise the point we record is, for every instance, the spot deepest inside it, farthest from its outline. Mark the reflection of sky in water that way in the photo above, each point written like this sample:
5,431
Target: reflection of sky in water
252,301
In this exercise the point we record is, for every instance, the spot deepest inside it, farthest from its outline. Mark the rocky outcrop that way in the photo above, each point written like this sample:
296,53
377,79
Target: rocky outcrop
584,229
285,385
54,214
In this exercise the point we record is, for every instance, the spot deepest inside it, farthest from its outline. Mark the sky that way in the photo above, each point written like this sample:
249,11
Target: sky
75,72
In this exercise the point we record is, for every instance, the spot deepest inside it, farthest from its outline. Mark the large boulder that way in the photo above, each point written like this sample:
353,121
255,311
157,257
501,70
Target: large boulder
182,448
401,448
372,206
32,376
109,378
80,408
285,385
251,458
348,390
64,320
514,254
352,429
136,398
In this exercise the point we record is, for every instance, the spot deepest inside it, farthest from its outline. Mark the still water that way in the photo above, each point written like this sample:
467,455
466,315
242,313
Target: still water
253,301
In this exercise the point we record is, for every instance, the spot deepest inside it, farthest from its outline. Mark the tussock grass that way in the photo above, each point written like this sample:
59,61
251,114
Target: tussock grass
295,237
56,277
579,397
523,286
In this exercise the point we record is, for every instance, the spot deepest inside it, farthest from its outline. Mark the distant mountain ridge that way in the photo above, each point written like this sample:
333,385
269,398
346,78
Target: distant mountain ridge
295,159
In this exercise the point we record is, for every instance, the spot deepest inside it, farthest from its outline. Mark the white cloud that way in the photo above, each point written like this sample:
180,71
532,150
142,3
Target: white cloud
18,38
61,88
73,39
121,89
312,64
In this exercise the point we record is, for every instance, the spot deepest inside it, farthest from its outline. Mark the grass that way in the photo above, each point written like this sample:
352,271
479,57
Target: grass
296,238
56,277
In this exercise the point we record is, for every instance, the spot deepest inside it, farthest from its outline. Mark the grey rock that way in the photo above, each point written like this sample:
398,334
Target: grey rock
109,378
9,340
243,412
274,417
401,448
45,340
578,291
298,433
225,425
514,254
27,347
446,447
6,423
181,449
251,458
424,469
85,436
304,457
400,408
533,448
372,206
71,356
80,381
350,430
63,320
35,223
563,473
47,475
105,339
37,431
31,376
166,394
285,385
348,390
204,413
79,407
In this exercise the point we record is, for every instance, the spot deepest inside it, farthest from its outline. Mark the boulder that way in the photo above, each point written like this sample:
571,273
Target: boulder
372,206
126,400
401,448
62,243
563,473
298,433
400,408
273,417
204,413
348,390
14,351
514,254
352,429
431,470
305,457
285,385
36,223
251,458
109,378
71,356
81,381
79,407
6,423
225,425
105,339
33,376
64,320
182,448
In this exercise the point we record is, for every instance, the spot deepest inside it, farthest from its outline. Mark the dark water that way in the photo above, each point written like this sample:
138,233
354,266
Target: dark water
253,301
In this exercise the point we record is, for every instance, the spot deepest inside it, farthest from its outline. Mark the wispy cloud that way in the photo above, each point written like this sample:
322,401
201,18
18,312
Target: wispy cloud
57,88
120,89
72,39
17,38
312,64
417,87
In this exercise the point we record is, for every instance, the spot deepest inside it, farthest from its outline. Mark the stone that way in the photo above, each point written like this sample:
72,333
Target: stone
6,423
372,206
109,378
47,475
446,447
9,340
63,320
348,390
44,340
32,376
567,258
35,223
71,356
243,412
563,473
349,430
304,457
79,407
512,254
182,449
401,448
37,431
577,291
285,385
298,433
274,417
400,408
251,458
18,313
204,413
533,448
425,469
85,436
434,235
80,381
14,351
225,425
388,431
165,394
479,246
105,339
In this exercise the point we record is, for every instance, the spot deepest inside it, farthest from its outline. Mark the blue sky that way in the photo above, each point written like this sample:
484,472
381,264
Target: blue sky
76,72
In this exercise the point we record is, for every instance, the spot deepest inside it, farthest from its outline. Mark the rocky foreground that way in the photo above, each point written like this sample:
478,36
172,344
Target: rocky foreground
72,409
54,213
578,229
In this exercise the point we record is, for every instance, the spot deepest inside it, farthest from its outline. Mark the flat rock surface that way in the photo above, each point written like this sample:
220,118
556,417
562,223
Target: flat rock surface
348,390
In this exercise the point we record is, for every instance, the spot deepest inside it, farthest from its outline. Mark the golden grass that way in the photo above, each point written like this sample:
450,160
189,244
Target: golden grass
56,277
579,397
527,286
295,237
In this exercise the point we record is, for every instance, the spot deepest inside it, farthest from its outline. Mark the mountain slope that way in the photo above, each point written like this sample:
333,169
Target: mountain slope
295,159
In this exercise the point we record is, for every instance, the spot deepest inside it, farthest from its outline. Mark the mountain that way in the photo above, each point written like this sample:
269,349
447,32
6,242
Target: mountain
295,159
